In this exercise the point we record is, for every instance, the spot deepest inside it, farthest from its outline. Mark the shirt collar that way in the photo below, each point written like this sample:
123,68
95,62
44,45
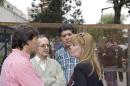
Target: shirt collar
38,59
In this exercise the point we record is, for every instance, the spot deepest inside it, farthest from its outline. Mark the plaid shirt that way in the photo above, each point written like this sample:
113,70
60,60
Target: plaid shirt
67,62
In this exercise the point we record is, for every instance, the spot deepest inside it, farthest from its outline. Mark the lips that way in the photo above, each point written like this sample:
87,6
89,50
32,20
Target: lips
46,51
68,42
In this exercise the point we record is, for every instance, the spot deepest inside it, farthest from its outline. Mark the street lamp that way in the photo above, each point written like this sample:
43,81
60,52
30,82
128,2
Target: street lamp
102,12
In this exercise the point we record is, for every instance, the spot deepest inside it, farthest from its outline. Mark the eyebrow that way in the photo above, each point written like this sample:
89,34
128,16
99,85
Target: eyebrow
67,34
43,44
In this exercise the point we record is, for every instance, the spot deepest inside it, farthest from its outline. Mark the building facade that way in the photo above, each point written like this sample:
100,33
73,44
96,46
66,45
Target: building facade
9,13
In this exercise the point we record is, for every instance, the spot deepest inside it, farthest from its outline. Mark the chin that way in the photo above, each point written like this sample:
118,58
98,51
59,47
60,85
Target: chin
68,45
33,52
74,56
45,55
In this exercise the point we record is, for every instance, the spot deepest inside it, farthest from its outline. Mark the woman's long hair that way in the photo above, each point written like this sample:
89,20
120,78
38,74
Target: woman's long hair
85,40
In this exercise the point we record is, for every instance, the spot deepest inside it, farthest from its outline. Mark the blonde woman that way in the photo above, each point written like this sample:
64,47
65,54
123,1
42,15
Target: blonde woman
87,72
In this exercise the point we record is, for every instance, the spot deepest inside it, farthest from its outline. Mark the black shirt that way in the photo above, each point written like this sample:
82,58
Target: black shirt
82,76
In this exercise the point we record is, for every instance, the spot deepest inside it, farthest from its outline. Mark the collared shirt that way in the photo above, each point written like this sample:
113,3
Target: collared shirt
17,71
67,62
41,62
53,73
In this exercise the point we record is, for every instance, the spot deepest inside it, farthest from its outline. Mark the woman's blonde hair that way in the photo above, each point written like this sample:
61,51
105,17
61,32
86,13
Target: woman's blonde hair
85,40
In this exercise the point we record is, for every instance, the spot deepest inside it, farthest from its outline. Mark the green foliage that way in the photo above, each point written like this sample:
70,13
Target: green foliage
96,33
53,14
57,11
47,17
99,33
72,9
109,19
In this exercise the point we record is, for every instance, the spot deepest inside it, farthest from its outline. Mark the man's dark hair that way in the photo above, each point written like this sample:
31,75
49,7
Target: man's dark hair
66,27
23,34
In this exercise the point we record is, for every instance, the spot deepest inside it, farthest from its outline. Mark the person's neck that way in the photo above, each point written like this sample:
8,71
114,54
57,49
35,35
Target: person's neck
42,58
67,48
26,49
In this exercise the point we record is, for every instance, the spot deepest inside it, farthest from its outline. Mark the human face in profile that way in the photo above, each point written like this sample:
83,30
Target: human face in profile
33,45
76,50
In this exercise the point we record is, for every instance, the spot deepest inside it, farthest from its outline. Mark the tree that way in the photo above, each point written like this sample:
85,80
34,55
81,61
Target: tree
98,34
118,4
55,10
53,14
71,9
109,19
1,2
60,10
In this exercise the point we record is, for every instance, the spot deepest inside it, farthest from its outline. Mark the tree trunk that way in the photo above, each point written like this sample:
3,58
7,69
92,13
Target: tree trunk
117,16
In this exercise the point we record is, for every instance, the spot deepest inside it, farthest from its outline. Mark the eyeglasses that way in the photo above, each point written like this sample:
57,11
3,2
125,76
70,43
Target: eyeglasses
44,46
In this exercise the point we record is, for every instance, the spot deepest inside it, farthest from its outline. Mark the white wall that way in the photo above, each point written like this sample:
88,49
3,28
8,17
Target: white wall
7,15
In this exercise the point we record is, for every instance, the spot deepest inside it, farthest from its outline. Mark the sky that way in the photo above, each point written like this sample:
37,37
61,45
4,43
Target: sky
91,11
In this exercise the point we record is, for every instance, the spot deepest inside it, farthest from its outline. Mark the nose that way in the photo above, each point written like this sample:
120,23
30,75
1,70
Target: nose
46,46
67,37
